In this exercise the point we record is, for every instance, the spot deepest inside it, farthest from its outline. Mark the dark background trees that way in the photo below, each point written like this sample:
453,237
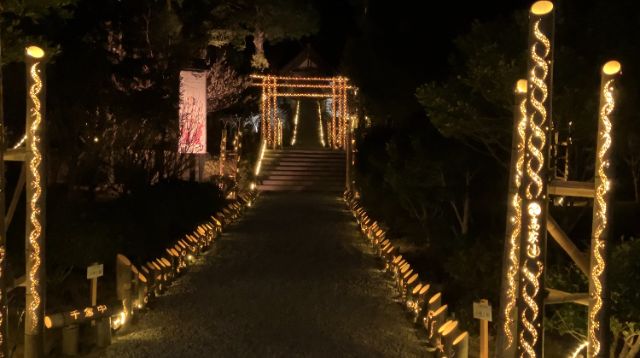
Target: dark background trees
435,84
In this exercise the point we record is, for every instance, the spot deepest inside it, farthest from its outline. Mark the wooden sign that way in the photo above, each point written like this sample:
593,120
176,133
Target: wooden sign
95,271
482,310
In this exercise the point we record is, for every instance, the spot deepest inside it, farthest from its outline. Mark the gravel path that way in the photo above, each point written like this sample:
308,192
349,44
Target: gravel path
291,279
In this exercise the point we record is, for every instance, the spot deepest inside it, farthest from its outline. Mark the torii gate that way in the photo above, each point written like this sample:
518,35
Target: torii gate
339,131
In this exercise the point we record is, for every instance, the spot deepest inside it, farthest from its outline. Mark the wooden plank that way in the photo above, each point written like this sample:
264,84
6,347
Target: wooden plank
17,193
567,245
579,189
557,297
15,155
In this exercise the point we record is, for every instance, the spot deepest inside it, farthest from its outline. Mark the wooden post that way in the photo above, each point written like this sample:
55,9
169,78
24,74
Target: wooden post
103,332
598,327
482,312
536,168
511,256
4,347
332,135
94,291
124,283
461,345
36,199
70,340
263,111
347,156
223,150
484,338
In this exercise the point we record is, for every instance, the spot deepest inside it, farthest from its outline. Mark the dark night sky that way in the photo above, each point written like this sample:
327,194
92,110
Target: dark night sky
406,43
414,36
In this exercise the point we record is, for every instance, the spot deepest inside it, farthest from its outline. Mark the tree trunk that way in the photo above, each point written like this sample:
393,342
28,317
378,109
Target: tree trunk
634,347
466,214
259,61
634,174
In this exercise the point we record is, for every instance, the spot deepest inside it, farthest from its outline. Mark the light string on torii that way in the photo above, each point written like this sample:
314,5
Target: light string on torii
274,87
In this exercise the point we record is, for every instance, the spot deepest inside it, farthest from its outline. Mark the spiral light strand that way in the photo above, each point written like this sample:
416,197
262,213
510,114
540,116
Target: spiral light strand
600,224
34,204
516,222
532,267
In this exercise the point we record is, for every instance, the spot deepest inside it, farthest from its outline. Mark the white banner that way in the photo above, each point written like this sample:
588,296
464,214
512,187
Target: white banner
193,112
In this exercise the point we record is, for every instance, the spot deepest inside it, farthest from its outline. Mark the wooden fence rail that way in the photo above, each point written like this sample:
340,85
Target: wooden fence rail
137,285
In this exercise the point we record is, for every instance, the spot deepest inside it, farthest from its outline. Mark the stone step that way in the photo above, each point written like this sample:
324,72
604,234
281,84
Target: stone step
302,181
305,151
301,188
306,164
312,159
305,174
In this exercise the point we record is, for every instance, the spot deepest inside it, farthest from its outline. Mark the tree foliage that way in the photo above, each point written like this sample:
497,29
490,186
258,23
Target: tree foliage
263,20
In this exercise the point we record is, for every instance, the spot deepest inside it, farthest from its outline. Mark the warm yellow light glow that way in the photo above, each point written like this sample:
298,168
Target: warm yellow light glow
295,78
537,121
611,67
47,322
580,348
119,320
303,85
515,221
320,125
307,95
541,7
600,220
35,52
435,298
263,110
295,124
460,338
521,86
20,142
34,202
260,157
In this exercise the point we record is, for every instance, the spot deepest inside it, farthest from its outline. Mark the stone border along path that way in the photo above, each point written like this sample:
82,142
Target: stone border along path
290,279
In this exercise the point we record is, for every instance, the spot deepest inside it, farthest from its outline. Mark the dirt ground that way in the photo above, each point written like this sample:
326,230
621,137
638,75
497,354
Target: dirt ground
291,279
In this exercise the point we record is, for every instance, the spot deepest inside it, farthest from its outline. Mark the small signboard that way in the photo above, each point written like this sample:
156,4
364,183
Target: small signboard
96,270
482,310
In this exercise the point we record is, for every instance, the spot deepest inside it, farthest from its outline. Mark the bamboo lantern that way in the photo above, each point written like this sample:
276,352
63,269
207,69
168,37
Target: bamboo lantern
534,182
598,326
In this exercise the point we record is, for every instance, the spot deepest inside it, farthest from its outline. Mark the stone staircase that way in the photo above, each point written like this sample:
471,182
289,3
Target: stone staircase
303,170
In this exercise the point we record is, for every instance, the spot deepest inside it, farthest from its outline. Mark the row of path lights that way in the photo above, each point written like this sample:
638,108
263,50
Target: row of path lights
442,332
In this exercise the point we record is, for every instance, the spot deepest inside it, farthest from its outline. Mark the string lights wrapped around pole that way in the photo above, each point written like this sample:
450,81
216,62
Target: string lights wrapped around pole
598,326
333,136
276,119
535,180
343,113
511,256
267,118
263,111
36,187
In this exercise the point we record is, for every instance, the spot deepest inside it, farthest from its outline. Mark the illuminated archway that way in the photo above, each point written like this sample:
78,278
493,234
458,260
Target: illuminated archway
274,87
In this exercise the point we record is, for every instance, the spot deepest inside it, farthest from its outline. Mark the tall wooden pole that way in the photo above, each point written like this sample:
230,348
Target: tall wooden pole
263,112
536,169
36,191
348,154
274,107
4,350
506,340
332,135
598,327
268,117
